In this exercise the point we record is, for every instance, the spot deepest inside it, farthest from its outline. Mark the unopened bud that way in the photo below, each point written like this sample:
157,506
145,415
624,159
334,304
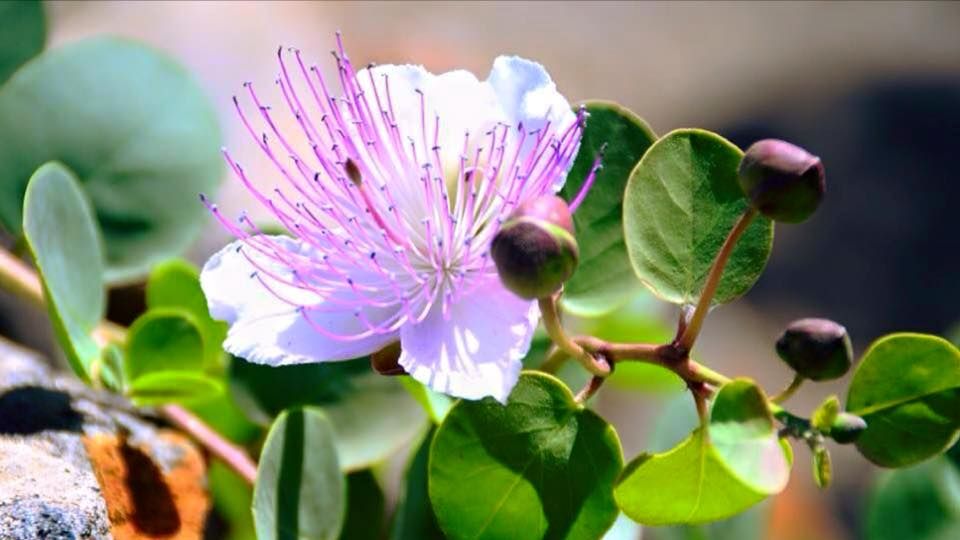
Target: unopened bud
847,428
783,181
817,349
535,250
386,361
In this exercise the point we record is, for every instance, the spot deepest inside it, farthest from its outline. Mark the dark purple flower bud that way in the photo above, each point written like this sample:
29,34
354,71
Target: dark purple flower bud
783,181
847,428
535,250
817,349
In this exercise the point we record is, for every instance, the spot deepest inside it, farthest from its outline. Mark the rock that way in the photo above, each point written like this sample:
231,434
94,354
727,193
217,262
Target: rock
77,463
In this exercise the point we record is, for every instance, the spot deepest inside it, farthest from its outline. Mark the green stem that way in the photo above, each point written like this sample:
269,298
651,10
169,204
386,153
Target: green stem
787,392
555,358
702,373
551,320
692,328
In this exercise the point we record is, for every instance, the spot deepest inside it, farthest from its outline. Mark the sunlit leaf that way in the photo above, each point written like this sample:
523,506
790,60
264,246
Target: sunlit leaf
162,387
706,478
61,234
163,340
300,491
437,405
682,200
176,284
540,467
907,389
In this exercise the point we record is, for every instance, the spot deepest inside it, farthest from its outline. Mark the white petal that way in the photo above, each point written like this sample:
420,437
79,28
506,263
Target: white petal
268,330
476,350
463,104
528,95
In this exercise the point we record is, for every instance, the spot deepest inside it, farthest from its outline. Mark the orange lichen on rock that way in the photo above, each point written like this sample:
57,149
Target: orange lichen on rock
147,501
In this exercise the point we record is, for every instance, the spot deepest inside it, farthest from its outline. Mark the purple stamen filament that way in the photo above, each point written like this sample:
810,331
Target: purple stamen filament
385,234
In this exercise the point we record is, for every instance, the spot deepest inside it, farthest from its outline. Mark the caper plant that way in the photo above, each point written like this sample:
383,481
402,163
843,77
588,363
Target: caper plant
427,226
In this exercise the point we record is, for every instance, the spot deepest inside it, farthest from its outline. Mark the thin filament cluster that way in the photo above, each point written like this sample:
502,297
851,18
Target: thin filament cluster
391,223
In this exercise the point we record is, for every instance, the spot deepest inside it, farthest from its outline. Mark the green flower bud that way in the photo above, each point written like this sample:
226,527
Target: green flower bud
817,349
783,181
535,250
847,428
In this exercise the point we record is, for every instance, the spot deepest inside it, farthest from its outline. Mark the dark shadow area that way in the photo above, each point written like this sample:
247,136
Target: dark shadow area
126,302
154,511
28,410
881,254
290,477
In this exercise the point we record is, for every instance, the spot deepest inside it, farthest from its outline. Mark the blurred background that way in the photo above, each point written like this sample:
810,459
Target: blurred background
872,88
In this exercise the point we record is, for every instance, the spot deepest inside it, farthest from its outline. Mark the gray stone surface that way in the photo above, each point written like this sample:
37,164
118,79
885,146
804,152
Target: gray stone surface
48,488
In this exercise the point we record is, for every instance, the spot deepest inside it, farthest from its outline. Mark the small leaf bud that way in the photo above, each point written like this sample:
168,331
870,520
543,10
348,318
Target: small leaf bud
783,181
535,250
822,468
847,428
817,349
825,414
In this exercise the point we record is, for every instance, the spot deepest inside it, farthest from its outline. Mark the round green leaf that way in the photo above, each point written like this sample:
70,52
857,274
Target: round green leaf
540,467
163,340
706,478
135,128
60,232
907,389
176,284
23,30
300,491
743,434
162,387
919,503
371,414
603,279
674,422
366,507
681,202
